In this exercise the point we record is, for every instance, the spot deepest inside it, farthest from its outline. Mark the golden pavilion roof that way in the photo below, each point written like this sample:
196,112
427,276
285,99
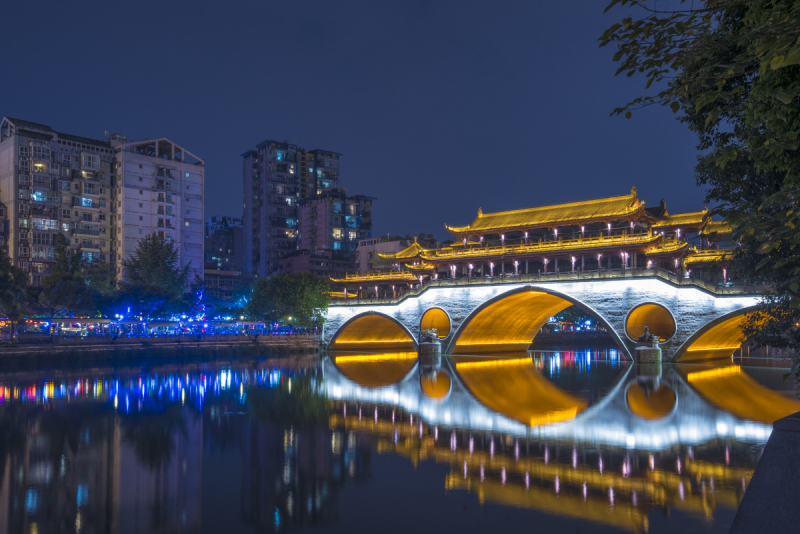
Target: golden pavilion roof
602,209
420,267
403,276
717,227
708,256
543,247
669,247
694,219
410,252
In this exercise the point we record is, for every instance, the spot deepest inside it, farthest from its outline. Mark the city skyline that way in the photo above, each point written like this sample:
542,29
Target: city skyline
435,78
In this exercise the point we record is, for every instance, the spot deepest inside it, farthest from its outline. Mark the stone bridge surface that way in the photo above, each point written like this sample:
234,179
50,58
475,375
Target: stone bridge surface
694,310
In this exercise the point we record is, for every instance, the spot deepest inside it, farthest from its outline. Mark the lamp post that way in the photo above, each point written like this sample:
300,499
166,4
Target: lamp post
555,233
464,239
491,269
678,234
526,238
503,239
376,292
516,268
452,271
470,270
599,266
609,228
583,231
544,260
573,264
394,293
649,264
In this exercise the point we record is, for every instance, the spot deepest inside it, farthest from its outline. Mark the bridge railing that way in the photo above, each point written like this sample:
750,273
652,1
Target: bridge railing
605,274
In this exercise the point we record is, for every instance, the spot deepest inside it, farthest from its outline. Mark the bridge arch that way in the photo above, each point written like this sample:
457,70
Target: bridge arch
501,325
656,316
437,318
717,339
373,331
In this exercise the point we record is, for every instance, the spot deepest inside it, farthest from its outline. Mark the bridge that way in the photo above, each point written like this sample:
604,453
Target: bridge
638,412
695,321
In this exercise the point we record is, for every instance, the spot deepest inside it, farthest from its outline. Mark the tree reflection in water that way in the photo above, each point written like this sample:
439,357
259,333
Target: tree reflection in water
153,434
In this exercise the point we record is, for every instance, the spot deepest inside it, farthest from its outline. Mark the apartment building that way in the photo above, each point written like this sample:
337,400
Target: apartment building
159,189
366,259
52,182
334,221
102,195
224,243
277,175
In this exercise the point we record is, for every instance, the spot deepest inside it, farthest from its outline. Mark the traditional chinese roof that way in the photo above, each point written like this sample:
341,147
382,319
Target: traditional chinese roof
410,252
708,256
421,267
373,278
668,248
641,241
694,219
603,209
717,227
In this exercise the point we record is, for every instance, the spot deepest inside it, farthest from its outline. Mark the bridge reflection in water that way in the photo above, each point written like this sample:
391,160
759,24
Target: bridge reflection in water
578,434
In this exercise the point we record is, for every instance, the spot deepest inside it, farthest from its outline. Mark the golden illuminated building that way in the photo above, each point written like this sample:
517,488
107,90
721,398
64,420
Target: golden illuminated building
608,234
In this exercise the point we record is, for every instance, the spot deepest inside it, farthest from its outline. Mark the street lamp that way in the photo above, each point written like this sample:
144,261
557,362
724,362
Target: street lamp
526,238
491,269
609,228
470,270
516,268
573,264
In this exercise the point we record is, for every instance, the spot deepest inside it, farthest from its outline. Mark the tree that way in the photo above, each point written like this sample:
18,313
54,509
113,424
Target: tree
14,284
64,290
732,70
154,283
302,296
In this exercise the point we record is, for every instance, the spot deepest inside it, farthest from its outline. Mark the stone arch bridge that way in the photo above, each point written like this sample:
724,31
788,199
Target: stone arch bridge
694,322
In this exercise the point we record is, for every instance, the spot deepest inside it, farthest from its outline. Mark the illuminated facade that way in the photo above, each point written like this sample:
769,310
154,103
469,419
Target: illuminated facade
615,233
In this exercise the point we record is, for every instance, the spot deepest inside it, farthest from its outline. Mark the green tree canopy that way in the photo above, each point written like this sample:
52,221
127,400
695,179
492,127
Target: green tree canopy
14,284
731,69
302,296
154,283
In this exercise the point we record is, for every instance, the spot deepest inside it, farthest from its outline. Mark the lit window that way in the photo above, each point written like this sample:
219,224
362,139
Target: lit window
187,223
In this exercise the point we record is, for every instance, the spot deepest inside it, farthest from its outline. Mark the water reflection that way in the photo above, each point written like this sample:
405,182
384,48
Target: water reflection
577,436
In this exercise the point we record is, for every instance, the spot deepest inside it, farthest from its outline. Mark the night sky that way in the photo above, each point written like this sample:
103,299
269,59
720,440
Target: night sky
437,107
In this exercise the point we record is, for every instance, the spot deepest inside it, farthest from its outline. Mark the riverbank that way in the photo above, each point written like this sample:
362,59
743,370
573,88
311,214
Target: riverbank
99,350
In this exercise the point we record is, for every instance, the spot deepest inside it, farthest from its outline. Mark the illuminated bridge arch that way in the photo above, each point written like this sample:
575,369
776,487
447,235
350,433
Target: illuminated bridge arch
510,321
717,339
373,331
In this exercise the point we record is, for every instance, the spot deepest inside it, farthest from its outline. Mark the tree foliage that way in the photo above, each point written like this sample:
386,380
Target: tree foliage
14,284
155,283
731,69
302,296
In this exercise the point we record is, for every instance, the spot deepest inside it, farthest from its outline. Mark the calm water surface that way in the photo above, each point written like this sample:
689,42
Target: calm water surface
531,442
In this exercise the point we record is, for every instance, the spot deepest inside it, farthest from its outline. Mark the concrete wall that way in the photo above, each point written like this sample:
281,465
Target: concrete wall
611,300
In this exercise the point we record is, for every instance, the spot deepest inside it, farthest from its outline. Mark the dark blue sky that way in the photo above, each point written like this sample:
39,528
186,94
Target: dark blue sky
437,107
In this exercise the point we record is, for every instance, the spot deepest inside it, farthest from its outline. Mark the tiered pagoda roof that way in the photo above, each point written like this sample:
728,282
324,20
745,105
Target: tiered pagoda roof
717,227
583,212
694,220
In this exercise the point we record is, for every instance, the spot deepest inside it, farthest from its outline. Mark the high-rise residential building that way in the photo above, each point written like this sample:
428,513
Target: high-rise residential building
224,243
224,258
366,259
50,183
278,174
334,221
102,195
159,189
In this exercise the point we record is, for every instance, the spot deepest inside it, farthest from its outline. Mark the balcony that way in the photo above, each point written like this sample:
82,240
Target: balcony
86,230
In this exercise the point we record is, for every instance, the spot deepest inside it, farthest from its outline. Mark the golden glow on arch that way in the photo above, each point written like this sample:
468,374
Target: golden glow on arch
371,358
435,384
373,330
516,389
654,316
650,405
732,390
719,341
510,323
438,319
376,370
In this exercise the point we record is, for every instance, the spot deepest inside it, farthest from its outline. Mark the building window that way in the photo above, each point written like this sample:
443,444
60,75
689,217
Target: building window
141,218
64,214
23,165
65,186
140,205
65,158
140,230
25,151
24,179
187,223
90,161
65,227
41,152
141,192
140,178
337,233
65,171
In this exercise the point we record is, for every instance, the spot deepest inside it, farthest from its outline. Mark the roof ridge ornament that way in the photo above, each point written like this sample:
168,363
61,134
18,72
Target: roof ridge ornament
633,190
480,212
